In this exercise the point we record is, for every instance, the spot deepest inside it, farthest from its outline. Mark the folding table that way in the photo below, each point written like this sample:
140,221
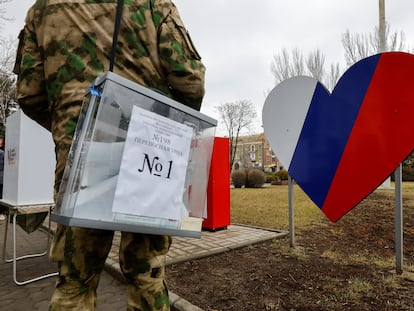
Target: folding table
12,212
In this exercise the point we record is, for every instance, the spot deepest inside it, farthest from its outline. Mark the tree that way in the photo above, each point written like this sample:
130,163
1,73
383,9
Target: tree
236,117
8,103
358,46
3,12
286,65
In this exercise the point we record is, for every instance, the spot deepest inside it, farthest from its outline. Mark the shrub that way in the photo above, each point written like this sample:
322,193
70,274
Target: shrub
255,178
407,174
283,174
238,178
271,177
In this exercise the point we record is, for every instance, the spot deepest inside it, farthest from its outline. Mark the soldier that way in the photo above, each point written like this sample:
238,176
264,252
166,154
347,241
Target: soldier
63,47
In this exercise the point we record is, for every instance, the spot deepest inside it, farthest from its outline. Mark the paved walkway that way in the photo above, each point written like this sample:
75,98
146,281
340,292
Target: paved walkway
111,291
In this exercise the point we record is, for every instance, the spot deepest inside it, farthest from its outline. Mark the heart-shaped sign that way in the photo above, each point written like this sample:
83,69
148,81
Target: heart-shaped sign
340,146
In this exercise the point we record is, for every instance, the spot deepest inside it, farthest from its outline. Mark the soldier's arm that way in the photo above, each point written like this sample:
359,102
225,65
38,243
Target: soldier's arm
182,64
31,90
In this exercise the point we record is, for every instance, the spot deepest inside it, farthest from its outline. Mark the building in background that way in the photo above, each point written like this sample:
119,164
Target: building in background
255,151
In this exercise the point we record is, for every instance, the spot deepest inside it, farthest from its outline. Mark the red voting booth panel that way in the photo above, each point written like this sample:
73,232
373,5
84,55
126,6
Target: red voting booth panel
218,191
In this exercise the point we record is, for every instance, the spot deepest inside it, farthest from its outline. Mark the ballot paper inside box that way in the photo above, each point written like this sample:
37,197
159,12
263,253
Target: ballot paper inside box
139,162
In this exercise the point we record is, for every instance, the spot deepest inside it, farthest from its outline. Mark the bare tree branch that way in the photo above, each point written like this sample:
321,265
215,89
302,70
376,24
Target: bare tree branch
284,66
358,46
281,67
3,13
297,68
236,117
7,55
315,64
333,77
8,103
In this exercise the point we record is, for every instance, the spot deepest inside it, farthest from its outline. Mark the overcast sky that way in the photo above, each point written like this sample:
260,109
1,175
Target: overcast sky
238,38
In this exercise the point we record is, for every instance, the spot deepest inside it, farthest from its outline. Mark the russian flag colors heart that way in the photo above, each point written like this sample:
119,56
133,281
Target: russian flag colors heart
340,146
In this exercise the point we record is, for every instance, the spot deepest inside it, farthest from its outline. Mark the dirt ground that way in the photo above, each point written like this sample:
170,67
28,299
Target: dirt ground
348,265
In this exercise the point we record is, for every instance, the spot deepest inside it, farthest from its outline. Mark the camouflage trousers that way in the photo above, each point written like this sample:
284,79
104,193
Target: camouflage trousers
81,254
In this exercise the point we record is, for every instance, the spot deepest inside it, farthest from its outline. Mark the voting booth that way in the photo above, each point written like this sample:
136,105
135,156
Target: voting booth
139,162
29,174
29,162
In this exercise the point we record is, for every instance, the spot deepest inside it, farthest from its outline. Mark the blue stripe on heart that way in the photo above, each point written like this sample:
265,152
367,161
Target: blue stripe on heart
326,131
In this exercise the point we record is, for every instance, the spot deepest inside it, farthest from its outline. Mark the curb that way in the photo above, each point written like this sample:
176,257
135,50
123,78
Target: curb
180,304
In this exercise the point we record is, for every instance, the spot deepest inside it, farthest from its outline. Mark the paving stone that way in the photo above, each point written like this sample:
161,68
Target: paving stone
111,291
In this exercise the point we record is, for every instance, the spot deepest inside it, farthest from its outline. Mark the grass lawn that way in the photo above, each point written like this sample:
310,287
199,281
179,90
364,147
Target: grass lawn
268,206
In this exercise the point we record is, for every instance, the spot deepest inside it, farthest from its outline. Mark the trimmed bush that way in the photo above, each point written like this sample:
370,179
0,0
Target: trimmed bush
255,178
407,174
238,178
283,174
271,177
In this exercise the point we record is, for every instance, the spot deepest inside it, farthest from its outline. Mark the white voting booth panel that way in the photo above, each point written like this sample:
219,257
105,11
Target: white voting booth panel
139,162
29,162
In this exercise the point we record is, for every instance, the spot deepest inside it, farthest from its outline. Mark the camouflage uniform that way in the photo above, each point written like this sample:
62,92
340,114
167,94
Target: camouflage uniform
63,47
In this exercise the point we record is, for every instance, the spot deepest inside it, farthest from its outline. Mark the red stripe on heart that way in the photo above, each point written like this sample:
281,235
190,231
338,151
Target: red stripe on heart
382,136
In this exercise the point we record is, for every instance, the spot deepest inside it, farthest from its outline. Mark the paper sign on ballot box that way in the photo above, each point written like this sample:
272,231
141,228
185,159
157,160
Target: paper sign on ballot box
153,169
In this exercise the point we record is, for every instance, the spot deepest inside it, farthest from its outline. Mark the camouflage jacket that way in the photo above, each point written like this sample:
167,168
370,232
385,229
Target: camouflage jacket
65,45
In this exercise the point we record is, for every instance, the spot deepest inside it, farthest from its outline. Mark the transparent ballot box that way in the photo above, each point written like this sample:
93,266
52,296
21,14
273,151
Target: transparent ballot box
139,162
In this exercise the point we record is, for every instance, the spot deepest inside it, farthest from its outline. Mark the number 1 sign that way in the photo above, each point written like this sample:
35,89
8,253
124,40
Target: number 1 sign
154,165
